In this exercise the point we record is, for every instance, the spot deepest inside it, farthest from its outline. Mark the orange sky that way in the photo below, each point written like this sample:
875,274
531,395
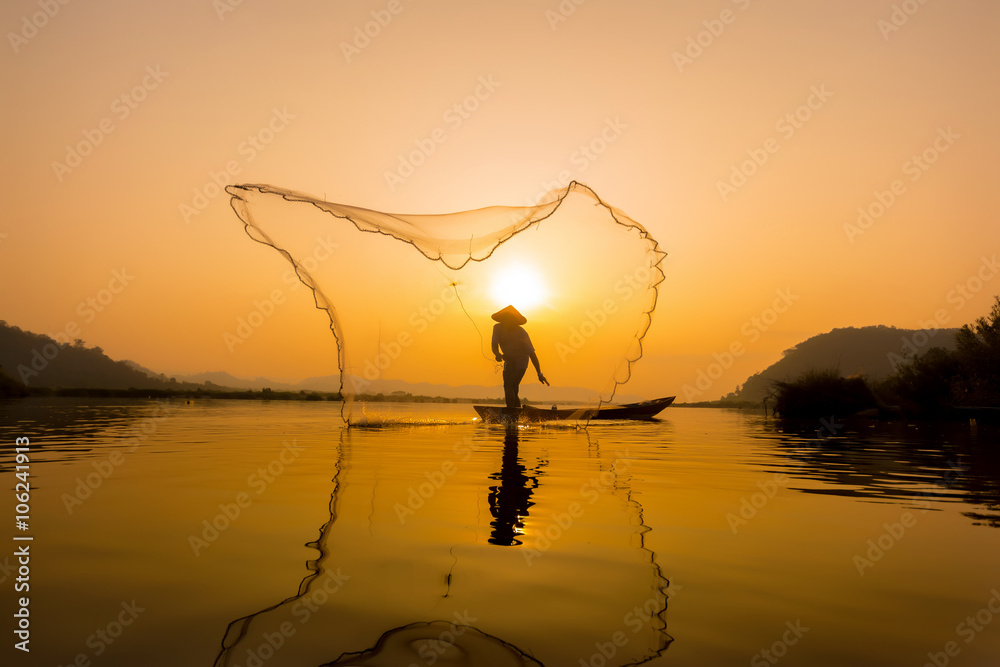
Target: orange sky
807,109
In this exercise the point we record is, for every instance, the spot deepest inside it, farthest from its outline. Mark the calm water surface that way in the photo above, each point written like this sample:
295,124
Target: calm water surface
247,534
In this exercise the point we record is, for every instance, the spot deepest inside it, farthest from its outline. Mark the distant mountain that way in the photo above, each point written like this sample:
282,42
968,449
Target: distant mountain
37,360
331,383
223,379
874,352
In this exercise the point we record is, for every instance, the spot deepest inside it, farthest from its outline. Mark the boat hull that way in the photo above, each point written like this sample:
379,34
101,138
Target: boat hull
645,410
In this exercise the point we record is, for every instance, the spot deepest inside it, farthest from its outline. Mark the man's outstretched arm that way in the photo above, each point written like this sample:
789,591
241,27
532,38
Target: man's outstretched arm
538,368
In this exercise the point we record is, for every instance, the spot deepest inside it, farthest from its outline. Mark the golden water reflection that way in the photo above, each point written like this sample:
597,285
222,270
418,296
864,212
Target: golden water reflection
379,538
426,582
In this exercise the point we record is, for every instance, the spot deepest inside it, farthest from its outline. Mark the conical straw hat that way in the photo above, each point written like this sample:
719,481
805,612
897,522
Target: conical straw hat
509,314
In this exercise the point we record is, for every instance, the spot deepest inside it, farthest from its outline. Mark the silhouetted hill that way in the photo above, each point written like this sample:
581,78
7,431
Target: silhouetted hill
9,387
874,352
37,360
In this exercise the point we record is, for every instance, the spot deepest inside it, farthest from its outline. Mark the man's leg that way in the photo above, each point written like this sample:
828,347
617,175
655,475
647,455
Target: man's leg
513,371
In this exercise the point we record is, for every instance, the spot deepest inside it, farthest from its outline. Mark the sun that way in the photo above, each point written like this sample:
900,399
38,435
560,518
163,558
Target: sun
519,285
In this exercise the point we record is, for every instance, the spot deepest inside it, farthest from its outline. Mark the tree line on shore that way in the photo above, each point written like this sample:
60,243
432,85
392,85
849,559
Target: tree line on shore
941,383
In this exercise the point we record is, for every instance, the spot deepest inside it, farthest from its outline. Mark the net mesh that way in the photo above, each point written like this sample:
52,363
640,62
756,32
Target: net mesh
409,297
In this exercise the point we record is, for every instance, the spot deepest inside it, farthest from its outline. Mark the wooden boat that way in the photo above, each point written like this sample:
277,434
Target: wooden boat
641,410
644,410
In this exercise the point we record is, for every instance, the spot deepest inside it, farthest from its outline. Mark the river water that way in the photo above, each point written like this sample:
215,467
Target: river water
248,533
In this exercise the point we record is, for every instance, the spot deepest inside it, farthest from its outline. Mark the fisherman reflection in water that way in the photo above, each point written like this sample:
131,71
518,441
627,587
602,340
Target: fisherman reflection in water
513,347
511,499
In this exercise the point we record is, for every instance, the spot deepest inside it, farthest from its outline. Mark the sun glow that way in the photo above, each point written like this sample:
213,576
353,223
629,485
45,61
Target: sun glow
520,286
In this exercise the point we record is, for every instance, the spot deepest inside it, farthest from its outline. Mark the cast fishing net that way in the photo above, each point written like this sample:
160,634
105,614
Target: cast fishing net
409,297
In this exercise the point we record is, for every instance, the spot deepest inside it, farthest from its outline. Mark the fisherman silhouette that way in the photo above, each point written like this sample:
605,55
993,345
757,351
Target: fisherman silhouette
513,347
